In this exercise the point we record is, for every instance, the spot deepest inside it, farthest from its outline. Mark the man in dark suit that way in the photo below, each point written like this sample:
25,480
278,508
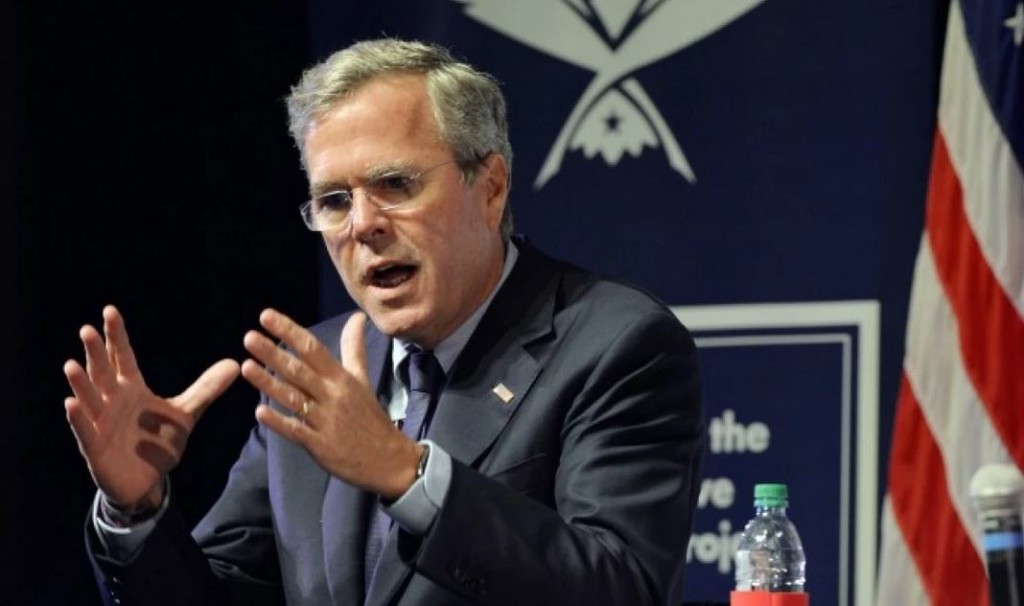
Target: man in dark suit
493,427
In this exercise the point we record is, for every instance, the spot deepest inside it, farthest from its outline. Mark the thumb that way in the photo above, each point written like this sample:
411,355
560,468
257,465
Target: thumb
208,387
353,347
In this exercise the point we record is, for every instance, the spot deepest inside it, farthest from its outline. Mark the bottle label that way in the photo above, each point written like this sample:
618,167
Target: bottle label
1001,541
768,598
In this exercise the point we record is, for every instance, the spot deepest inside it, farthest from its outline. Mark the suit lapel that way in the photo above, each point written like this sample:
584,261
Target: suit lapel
496,369
472,412
346,509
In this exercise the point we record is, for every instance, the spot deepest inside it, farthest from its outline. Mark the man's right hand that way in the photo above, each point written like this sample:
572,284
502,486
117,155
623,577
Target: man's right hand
129,436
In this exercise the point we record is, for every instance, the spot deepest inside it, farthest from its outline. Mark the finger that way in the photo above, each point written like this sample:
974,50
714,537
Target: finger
208,387
304,343
85,392
290,428
289,368
81,425
96,363
118,347
353,347
277,390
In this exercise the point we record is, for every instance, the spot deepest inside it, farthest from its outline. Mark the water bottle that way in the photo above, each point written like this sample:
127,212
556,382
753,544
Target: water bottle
770,563
998,492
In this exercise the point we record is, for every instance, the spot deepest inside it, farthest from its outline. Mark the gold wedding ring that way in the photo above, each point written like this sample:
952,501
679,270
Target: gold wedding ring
304,411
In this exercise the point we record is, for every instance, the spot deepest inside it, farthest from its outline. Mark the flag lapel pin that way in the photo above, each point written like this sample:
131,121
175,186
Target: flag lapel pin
503,393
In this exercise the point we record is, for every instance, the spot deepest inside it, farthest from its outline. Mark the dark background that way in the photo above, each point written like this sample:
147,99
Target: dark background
146,163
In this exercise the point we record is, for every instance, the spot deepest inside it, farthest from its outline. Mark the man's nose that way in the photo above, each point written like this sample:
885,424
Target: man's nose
367,219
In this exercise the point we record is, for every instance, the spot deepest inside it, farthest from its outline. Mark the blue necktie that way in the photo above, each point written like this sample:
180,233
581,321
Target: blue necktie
424,377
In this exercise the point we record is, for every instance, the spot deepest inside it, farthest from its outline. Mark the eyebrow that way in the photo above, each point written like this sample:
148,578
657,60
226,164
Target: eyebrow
372,174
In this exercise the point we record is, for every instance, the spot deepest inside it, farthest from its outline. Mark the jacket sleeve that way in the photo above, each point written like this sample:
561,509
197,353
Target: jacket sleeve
236,564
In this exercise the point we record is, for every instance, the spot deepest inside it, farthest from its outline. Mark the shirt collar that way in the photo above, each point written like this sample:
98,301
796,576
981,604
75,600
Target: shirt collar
449,349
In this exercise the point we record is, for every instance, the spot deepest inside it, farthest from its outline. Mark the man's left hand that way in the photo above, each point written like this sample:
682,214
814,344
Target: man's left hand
337,418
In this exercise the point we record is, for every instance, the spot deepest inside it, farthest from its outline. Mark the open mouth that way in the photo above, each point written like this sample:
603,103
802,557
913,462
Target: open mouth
390,276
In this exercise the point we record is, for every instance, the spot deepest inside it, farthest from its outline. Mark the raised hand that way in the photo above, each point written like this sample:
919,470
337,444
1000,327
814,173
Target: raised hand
129,436
337,417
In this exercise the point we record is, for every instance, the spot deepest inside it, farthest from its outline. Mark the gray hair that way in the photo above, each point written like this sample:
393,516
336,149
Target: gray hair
467,104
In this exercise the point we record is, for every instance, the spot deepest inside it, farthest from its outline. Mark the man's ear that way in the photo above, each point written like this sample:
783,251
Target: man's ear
494,183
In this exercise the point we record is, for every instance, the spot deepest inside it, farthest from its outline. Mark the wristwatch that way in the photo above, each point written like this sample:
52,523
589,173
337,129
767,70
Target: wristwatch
416,510
421,467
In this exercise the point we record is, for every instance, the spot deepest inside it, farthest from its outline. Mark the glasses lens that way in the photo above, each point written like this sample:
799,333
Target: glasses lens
330,210
392,190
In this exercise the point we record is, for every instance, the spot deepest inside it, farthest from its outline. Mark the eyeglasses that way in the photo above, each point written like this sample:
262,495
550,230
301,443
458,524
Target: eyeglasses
387,191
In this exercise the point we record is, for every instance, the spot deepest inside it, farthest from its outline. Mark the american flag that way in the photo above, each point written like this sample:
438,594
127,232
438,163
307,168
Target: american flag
961,399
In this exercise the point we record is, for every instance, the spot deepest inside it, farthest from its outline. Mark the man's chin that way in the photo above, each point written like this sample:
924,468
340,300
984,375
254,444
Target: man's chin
397,324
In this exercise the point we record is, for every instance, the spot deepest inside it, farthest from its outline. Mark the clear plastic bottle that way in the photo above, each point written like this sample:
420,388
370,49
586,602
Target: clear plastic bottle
769,555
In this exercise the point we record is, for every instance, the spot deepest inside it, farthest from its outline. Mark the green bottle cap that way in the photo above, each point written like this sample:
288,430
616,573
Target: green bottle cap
771,495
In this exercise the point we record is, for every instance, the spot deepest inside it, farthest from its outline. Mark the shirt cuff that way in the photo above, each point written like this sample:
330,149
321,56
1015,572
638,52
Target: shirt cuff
122,544
416,510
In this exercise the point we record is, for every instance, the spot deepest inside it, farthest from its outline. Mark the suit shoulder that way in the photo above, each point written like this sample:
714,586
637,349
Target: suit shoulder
611,298
584,300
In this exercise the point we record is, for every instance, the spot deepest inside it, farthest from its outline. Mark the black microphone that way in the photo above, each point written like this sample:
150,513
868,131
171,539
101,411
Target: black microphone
998,492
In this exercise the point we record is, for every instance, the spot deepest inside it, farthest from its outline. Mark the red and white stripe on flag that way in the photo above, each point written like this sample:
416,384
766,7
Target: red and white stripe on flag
961,399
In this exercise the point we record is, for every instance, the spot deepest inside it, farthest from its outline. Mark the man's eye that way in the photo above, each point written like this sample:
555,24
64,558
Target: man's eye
394,183
334,201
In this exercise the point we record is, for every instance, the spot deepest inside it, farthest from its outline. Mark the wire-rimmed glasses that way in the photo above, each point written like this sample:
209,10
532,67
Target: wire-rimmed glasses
387,191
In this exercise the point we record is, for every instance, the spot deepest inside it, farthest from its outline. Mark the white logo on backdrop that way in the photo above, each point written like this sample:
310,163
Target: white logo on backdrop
612,38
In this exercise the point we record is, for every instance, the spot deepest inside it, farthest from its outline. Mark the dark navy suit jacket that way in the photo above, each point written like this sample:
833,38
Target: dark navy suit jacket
580,490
